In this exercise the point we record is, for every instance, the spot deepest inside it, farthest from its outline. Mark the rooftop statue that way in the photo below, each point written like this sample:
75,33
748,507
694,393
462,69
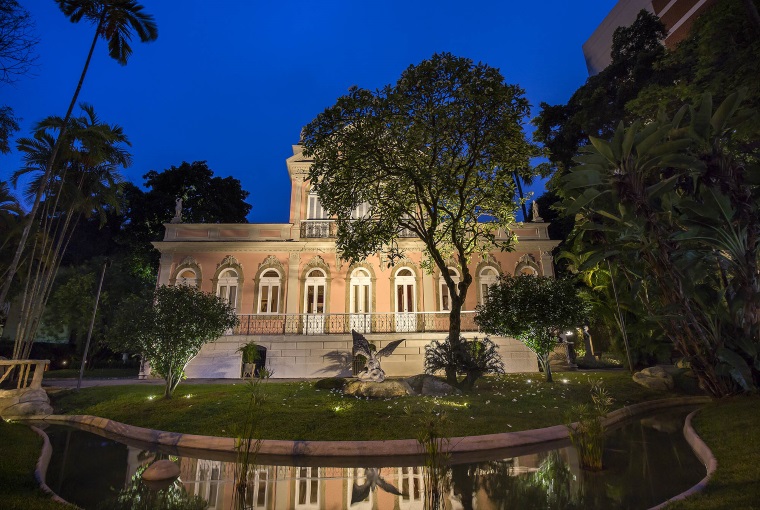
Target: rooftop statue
372,370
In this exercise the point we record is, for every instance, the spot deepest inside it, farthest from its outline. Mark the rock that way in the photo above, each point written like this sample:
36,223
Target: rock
425,384
161,470
683,363
24,403
27,410
34,395
385,389
655,378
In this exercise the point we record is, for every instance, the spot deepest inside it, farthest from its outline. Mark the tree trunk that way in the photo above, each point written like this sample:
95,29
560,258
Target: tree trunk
752,13
520,194
548,370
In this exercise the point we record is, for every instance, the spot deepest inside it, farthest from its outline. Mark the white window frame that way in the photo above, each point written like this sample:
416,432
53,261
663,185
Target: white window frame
308,476
266,284
227,282
315,211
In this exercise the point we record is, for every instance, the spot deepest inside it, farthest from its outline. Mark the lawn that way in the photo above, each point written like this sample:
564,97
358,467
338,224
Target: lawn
730,428
20,451
298,411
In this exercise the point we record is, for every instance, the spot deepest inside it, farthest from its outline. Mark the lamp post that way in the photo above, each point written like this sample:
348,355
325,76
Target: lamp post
92,323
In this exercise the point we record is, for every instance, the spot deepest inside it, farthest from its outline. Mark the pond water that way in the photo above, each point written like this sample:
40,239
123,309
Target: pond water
646,462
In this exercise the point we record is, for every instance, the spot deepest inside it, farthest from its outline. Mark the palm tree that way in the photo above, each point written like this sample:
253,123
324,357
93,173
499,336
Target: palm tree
84,182
115,21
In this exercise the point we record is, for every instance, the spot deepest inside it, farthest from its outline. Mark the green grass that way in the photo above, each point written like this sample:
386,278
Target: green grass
731,429
18,489
94,373
298,411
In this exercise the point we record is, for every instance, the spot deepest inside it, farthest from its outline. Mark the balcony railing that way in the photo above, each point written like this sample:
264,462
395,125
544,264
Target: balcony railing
342,323
318,228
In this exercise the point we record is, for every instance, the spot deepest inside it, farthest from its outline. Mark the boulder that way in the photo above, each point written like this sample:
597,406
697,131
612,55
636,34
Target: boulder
161,470
430,385
24,403
27,410
654,378
370,389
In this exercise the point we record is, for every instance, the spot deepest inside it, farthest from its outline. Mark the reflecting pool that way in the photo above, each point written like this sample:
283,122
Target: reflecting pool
646,462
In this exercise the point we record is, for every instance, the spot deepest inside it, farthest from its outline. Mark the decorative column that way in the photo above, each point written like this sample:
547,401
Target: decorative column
547,263
292,302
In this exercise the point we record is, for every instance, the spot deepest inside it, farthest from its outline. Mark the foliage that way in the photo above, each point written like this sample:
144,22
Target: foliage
433,428
248,440
206,198
137,495
473,358
250,352
84,182
17,55
534,310
596,107
587,435
169,328
677,211
115,21
17,41
432,157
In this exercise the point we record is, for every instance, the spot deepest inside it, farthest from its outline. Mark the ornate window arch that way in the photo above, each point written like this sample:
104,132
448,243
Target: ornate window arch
188,263
311,284
228,281
527,265
413,271
269,289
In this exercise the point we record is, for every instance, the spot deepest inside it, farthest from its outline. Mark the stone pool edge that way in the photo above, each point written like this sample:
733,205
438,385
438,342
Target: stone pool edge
705,456
40,469
393,447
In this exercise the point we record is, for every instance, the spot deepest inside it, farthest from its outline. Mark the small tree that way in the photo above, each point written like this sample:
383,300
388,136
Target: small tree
533,309
170,327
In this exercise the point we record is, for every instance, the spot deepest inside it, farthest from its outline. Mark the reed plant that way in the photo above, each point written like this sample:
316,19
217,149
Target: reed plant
248,437
434,437
586,424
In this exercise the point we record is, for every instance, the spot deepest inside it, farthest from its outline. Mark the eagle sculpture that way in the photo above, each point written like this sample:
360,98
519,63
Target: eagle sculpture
372,370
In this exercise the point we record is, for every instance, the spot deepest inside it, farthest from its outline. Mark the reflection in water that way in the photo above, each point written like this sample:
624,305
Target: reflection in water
647,462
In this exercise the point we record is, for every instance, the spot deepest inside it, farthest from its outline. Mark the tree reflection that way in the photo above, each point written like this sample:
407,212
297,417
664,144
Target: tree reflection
137,495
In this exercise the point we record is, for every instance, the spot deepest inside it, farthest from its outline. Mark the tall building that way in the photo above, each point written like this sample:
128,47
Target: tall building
676,15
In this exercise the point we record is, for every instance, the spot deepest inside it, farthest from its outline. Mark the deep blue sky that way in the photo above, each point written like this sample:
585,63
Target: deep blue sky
233,82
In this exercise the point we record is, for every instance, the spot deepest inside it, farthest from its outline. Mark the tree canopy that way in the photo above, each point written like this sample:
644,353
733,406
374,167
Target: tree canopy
169,327
431,157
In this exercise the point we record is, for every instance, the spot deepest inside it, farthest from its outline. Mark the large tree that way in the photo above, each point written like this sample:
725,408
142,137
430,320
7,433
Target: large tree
115,21
674,204
533,309
169,327
432,156
206,198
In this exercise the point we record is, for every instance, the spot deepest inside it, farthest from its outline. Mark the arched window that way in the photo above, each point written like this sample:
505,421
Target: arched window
360,300
227,286
187,277
406,296
315,290
488,276
529,270
444,295
270,286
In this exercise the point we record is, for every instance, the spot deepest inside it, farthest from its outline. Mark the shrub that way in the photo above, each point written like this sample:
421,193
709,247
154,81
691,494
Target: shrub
473,358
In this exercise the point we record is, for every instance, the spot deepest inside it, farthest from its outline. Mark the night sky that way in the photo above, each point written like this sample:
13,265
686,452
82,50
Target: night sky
233,82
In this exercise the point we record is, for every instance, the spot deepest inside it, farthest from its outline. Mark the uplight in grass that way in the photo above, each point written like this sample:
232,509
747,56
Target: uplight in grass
565,381
189,395
151,397
529,381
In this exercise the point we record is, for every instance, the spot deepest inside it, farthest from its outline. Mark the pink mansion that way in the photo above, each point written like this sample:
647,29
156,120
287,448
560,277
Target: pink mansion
297,299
